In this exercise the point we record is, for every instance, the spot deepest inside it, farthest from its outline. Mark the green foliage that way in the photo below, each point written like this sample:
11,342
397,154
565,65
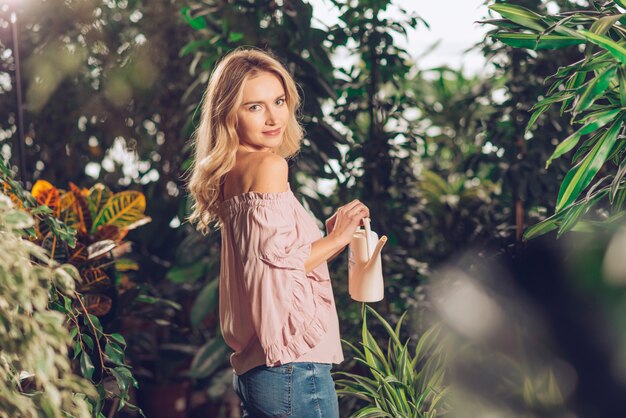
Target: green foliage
82,287
400,384
592,91
36,376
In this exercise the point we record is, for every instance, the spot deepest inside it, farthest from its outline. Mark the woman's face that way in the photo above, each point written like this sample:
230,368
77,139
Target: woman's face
263,114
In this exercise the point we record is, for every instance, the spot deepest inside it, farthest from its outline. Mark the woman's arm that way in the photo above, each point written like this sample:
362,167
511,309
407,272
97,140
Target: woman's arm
271,175
322,250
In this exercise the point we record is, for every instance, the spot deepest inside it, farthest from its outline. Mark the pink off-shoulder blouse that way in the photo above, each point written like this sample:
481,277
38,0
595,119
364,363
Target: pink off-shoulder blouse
271,311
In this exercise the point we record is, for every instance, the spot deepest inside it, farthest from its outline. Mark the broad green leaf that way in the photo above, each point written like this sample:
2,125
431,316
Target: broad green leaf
119,338
87,340
206,302
520,15
86,366
594,89
123,377
115,353
535,42
617,50
209,358
602,118
620,3
580,176
185,274
121,210
197,22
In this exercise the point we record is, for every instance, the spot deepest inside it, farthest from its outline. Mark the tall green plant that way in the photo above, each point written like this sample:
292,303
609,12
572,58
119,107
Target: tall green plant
400,384
592,91
36,378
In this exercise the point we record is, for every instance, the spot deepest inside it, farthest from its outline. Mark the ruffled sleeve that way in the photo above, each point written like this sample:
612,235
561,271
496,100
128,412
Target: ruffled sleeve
289,310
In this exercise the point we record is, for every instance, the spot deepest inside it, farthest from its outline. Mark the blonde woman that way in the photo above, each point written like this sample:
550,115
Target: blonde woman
277,310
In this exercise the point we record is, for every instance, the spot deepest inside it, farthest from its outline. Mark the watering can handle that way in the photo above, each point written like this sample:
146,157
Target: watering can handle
368,228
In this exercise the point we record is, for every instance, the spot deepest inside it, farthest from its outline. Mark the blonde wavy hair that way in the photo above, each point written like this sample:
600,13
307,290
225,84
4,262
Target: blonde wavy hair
216,139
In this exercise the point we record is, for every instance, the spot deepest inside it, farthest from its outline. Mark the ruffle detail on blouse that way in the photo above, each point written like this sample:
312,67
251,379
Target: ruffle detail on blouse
293,260
303,329
255,198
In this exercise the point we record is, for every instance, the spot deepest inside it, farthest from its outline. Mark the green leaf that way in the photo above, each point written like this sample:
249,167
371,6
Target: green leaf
601,119
197,22
119,338
191,47
205,303
86,366
572,215
535,42
185,274
210,356
124,378
520,15
620,3
617,50
77,349
386,325
541,228
602,25
370,412
96,323
580,176
594,89
87,340
622,85
115,353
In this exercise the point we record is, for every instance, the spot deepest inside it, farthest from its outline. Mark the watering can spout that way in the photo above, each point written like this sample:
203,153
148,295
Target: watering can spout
379,246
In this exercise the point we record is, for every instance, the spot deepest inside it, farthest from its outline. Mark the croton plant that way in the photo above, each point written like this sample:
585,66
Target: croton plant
84,229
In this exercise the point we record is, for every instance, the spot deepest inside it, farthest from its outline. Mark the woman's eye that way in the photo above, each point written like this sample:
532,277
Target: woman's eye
254,107
280,102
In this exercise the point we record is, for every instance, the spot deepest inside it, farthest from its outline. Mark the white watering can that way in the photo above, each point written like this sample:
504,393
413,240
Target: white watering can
365,269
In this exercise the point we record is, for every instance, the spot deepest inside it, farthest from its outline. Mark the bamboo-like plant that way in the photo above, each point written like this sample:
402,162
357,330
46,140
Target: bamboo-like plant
401,384
591,90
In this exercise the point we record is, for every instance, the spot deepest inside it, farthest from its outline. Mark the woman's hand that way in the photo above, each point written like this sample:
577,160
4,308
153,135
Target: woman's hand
342,225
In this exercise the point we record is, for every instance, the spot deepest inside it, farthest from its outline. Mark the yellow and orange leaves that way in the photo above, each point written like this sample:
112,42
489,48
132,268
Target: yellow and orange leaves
81,209
121,210
97,304
46,194
94,279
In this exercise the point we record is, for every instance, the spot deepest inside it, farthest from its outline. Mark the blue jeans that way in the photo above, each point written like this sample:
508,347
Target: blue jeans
300,390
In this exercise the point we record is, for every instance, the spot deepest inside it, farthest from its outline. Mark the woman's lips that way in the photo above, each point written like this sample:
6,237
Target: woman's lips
272,133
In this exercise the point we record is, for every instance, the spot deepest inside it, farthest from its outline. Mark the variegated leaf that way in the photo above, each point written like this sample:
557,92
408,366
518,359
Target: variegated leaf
121,210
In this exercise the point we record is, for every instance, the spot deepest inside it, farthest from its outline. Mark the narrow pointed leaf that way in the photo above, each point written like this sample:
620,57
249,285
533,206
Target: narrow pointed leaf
570,142
595,88
617,50
535,42
520,15
579,177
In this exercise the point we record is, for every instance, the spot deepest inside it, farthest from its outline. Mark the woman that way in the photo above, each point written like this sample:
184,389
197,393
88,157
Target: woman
277,310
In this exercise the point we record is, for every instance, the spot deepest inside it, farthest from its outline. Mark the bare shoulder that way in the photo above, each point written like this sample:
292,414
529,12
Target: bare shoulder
271,173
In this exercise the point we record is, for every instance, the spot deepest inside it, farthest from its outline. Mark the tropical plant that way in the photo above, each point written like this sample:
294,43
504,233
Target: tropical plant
81,228
400,384
592,91
36,379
